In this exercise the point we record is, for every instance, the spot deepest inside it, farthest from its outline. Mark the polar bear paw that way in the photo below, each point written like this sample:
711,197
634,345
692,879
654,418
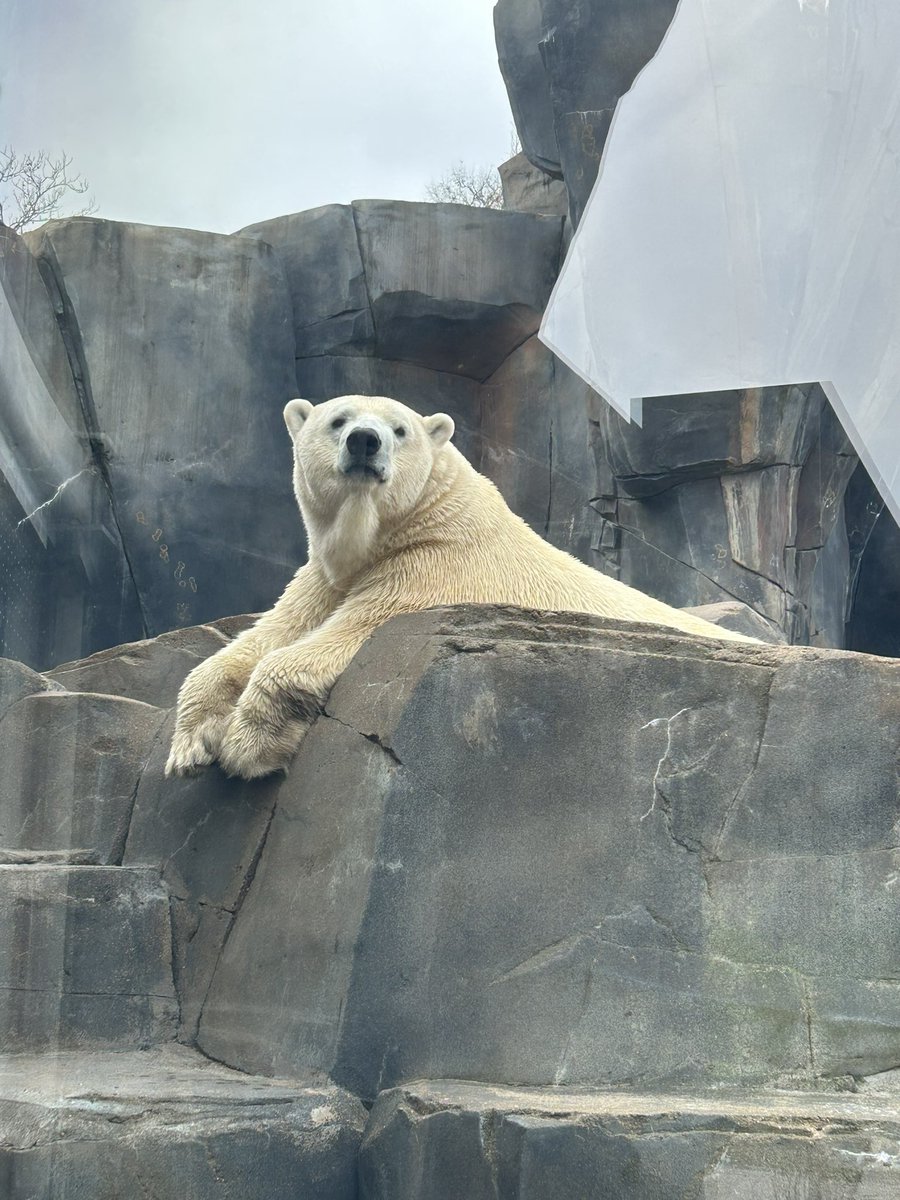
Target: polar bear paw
265,731
197,747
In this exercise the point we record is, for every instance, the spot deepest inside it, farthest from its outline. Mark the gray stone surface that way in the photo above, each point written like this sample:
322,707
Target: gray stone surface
445,1139
592,53
565,67
186,350
203,836
150,671
18,681
85,958
518,31
527,189
319,250
65,586
169,1124
732,496
455,288
469,885
731,614
71,768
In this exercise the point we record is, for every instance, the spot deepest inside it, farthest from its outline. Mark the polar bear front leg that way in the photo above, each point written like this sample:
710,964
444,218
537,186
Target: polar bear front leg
283,698
205,704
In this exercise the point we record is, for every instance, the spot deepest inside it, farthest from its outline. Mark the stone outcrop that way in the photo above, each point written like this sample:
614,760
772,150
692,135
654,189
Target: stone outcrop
741,496
169,354
734,495
565,67
65,584
527,189
517,848
184,347
447,1139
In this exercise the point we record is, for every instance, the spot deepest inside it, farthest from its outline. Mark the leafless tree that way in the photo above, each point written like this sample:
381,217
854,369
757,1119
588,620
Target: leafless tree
35,187
463,184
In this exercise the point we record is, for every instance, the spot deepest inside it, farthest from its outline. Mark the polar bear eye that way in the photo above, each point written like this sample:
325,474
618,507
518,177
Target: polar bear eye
338,422
400,431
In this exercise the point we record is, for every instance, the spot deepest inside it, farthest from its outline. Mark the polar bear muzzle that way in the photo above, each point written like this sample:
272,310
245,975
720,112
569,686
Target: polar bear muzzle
366,451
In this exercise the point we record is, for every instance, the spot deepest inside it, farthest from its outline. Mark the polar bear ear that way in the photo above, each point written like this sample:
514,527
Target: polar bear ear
439,428
295,413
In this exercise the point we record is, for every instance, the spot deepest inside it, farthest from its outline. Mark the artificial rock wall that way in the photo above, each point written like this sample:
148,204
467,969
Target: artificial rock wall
145,473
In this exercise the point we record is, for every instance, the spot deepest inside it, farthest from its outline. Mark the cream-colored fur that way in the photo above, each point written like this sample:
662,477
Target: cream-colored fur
429,531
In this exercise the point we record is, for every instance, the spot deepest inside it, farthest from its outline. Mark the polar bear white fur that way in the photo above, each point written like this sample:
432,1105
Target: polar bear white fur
397,521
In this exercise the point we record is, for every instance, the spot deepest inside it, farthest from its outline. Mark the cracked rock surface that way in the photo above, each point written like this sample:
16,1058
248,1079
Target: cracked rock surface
557,850
640,886
445,1139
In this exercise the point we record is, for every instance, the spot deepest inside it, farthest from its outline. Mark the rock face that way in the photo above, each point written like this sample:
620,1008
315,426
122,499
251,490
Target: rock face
565,67
519,849
712,909
65,585
527,189
185,350
169,354
740,496
449,1139
734,495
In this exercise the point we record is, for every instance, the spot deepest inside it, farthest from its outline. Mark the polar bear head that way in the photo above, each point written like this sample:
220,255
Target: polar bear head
363,446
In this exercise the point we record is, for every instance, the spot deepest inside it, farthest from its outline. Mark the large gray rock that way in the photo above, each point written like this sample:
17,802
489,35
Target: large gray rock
526,189
452,287
319,250
518,29
65,583
72,763
169,1124
444,1140
526,428
85,958
565,67
204,836
732,496
565,851
150,671
186,350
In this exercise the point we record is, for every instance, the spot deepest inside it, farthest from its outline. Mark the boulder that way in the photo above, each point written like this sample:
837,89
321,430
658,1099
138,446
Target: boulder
731,614
527,189
452,287
732,496
72,766
186,350
565,67
559,850
150,671
518,29
319,251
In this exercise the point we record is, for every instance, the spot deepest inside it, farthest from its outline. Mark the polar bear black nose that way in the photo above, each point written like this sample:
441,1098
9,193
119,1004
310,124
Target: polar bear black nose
363,443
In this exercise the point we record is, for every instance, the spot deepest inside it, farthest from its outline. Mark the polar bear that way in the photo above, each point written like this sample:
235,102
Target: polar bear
397,521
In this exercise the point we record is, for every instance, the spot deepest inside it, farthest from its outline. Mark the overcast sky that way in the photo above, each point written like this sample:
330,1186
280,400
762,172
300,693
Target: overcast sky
214,114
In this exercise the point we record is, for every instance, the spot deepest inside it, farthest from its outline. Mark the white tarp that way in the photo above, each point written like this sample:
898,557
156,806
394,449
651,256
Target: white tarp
744,229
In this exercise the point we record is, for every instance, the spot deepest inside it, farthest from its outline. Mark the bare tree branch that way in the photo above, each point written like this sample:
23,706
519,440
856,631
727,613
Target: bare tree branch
35,187
463,184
